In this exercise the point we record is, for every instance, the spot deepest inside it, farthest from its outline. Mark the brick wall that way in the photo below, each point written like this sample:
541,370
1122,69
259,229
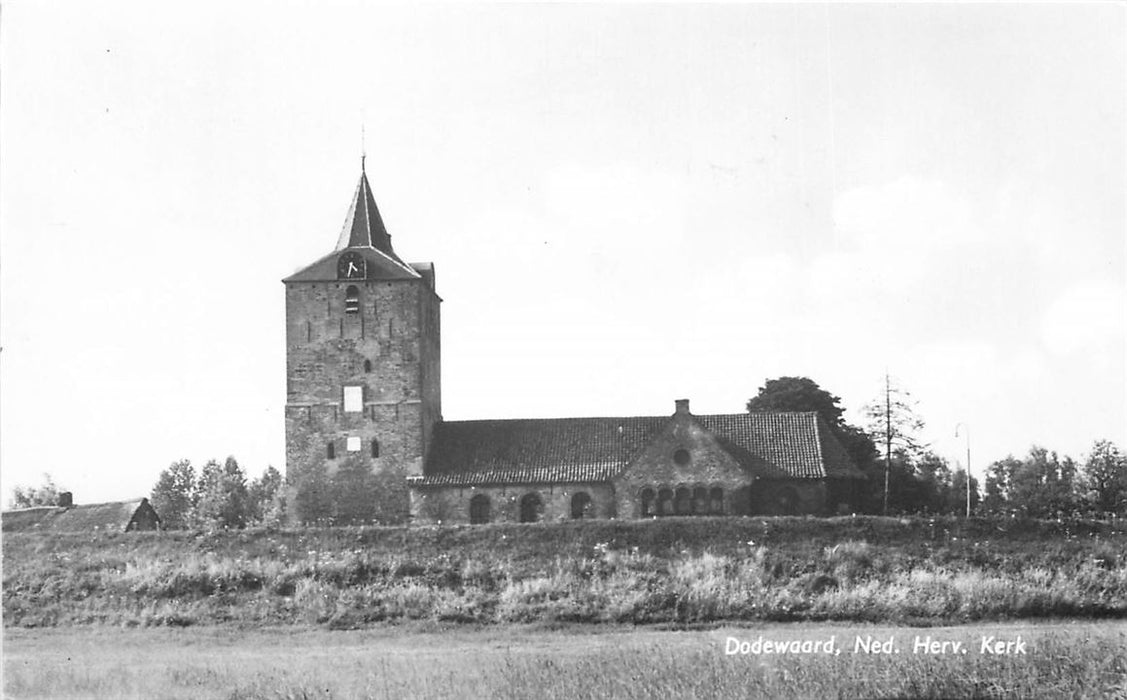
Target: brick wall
390,349
451,504
702,464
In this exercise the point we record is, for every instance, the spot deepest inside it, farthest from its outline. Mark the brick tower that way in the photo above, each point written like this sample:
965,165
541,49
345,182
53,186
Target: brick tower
363,388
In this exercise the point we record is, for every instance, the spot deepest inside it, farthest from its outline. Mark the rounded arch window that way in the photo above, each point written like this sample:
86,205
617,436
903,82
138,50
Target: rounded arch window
352,299
681,457
648,509
331,451
479,509
531,508
665,502
700,501
367,366
716,500
581,506
682,504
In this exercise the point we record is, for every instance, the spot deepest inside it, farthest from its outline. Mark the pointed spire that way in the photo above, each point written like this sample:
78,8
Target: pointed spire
363,226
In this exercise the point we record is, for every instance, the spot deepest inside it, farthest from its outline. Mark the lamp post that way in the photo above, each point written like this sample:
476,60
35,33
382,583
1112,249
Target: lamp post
966,431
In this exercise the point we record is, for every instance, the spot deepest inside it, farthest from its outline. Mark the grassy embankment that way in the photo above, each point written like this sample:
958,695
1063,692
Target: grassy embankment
679,571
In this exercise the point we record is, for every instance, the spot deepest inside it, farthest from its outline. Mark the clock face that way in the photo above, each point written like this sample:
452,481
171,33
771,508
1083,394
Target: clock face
351,266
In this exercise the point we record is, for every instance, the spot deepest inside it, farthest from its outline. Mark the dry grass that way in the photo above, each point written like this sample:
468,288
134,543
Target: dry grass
784,569
1063,660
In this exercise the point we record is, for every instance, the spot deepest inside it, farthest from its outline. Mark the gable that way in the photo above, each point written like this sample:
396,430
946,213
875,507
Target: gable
684,451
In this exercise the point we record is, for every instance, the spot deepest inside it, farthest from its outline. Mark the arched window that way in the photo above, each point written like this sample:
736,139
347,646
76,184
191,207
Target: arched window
531,508
367,366
352,299
683,503
648,509
479,509
581,506
716,500
375,448
331,451
700,501
665,502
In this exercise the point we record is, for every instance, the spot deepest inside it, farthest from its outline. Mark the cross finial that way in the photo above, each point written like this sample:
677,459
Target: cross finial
363,148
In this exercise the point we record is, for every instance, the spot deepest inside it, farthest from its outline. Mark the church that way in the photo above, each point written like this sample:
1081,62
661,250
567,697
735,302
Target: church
364,391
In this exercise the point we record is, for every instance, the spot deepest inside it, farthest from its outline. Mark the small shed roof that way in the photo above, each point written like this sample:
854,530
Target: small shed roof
90,517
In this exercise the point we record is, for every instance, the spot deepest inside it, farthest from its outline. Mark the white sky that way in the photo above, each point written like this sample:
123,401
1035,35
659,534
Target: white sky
626,204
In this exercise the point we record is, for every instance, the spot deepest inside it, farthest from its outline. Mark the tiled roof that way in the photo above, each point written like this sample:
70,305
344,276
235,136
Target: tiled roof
535,449
90,517
570,450
781,444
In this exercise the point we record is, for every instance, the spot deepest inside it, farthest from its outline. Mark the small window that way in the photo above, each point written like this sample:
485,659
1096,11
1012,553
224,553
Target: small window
479,509
716,500
700,501
354,399
648,503
375,448
367,366
352,444
352,299
331,451
681,457
683,503
581,506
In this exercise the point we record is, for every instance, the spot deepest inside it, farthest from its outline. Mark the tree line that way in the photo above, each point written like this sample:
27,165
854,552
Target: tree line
903,475
218,497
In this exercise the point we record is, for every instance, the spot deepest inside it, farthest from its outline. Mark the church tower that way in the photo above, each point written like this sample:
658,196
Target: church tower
363,388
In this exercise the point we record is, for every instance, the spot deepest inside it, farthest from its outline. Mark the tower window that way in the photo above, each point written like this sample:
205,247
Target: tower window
331,451
375,448
367,366
352,444
353,399
352,299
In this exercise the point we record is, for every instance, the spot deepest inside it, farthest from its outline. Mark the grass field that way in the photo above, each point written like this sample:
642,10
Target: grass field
1086,660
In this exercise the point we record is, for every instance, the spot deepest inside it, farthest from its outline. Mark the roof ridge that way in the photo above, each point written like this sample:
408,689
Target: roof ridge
651,417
